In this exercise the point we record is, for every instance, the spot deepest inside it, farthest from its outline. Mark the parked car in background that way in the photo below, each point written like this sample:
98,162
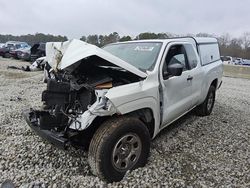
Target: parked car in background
24,54
227,59
17,47
237,61
37,50
8,50
246,62
4,50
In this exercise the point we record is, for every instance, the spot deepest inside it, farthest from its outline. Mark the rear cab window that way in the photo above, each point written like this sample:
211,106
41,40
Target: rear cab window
191,55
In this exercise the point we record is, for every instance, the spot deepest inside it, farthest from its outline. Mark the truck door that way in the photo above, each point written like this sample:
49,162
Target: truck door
176,90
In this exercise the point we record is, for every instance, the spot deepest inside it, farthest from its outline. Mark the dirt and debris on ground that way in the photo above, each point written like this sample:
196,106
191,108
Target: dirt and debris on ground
211,151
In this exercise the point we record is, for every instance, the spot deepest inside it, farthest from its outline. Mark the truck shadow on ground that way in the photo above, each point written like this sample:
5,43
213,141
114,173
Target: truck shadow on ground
189,118
189,128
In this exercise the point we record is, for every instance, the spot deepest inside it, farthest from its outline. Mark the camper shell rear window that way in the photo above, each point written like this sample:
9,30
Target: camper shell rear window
209,53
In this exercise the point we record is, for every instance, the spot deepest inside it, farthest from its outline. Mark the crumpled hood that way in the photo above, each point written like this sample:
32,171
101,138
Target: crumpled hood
61,55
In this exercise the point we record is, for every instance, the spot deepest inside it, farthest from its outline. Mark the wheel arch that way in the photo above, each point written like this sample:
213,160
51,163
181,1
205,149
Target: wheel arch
147,117
145,109
214,83
206,86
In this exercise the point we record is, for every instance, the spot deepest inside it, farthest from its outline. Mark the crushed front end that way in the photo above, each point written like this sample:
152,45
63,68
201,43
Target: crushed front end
61,107
70,105
78,76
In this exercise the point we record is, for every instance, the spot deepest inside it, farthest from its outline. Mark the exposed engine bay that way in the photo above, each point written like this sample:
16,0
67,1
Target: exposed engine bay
69,95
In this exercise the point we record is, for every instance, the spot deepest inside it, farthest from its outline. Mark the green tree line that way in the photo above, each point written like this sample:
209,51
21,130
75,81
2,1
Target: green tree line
32,39
229,46
102,40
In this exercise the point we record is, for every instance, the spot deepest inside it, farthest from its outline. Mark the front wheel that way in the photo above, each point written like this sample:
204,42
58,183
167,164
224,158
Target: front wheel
206,107
6,55
119,145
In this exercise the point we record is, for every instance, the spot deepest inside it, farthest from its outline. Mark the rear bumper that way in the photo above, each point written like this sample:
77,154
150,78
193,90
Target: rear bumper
54,138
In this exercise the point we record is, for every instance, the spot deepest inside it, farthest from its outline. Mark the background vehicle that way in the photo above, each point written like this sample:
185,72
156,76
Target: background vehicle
227,59
114,100
9,49
24,54
237,61
37,50
246,62
4,51
14,50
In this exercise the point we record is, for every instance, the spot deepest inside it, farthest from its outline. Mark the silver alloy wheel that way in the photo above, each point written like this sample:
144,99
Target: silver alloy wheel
126,152
210,101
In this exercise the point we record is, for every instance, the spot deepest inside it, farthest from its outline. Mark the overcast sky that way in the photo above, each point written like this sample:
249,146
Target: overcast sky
75,18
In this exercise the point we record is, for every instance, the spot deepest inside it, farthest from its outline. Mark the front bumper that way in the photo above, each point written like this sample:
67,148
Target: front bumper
25,57
54,138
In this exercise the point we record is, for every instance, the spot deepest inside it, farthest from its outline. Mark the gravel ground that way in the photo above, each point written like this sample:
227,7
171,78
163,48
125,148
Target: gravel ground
196,151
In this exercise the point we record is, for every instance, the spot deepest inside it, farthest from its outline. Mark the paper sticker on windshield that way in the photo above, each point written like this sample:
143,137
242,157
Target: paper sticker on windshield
144,48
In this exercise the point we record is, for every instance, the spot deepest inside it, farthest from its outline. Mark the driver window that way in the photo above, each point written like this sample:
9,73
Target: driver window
178,58
176,54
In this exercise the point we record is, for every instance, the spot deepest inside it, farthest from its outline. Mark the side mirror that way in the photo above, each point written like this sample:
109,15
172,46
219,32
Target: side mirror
175,69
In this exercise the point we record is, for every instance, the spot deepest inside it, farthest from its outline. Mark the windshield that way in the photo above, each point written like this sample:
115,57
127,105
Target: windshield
24,45
10,45
142,55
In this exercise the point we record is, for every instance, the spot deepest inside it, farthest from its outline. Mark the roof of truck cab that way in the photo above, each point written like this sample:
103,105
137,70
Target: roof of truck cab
198,40
201,40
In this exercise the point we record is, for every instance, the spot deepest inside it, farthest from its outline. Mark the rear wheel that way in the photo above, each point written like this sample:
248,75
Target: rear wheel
206,107
119,145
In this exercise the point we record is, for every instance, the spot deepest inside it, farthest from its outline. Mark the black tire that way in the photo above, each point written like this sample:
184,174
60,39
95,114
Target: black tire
110,136
7,55
206,107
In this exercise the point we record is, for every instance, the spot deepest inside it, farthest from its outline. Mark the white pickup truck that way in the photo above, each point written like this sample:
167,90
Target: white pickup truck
113,101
